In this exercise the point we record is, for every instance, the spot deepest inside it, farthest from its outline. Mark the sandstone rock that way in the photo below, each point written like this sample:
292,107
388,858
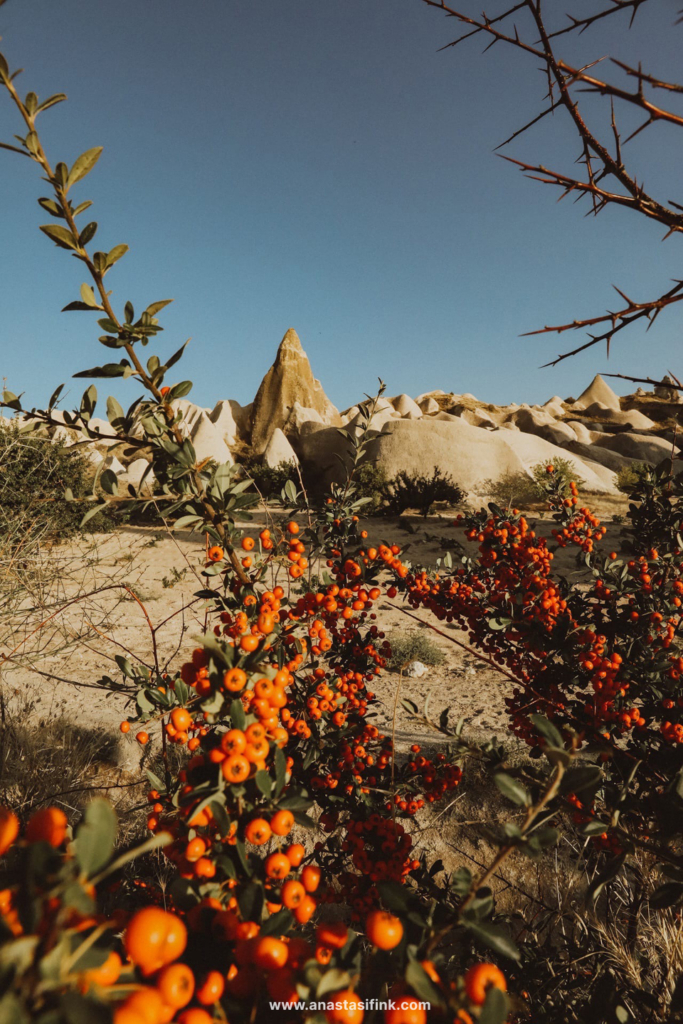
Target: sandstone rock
544,425
349,414
531,450
429,406
223,418
191,414
415,670
135,472
403,404
278,450
669,391
581,431
208,442
478,418
598,391
633,418
289,380
112,463
469,454
603,456
554,406
642,447
298,416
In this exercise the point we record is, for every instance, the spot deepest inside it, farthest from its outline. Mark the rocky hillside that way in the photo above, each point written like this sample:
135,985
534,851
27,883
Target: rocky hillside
292,420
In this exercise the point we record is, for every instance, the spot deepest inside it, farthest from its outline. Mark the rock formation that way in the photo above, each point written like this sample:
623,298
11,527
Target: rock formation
289,380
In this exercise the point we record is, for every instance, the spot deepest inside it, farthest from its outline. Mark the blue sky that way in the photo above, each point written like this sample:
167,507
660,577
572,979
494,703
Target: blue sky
291,163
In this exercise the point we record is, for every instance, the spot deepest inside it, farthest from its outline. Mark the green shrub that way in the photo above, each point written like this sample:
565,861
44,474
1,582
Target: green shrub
270,479
35,473
407,647
415,490
630,478
565,472
371,482
513,490
518,490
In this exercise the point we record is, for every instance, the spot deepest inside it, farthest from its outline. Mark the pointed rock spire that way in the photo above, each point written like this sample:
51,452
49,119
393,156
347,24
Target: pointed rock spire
289,380
598,391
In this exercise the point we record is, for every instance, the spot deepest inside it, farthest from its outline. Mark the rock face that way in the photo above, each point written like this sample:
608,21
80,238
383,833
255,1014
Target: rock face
278,450
598,391
289,380
208,441
642,447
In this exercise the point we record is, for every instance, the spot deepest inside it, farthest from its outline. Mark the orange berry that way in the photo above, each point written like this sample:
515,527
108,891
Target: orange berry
146,1004
154,938
107,973
211,988
383,929
480,978
310,877
195,1015
270,953
142,737
125,727
176,985
295,854
216,554
235,768
277,866
9,829
181,718
347,1008
292,894
258,831
305,910
333,934
282,823
234,679
47,825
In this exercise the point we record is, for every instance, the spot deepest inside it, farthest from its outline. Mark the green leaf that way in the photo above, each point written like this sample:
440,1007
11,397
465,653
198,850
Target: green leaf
264,782
493,936
115,254
90,513
83,165
12,1011
109,482
156,307
59,235
95,836
422,985
51,207
237,715
547,730
290,490
512,789
280,770
115,413
332,981
78,1009
394,896
495,1009
88,233
58,97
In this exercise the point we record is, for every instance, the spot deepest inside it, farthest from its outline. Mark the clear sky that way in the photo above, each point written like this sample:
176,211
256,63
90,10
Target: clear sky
317,164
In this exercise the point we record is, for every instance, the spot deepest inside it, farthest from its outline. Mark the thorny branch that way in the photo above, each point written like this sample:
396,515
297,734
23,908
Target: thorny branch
608,179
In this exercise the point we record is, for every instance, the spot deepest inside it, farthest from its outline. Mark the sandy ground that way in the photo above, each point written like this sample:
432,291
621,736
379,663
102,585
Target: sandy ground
163,571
